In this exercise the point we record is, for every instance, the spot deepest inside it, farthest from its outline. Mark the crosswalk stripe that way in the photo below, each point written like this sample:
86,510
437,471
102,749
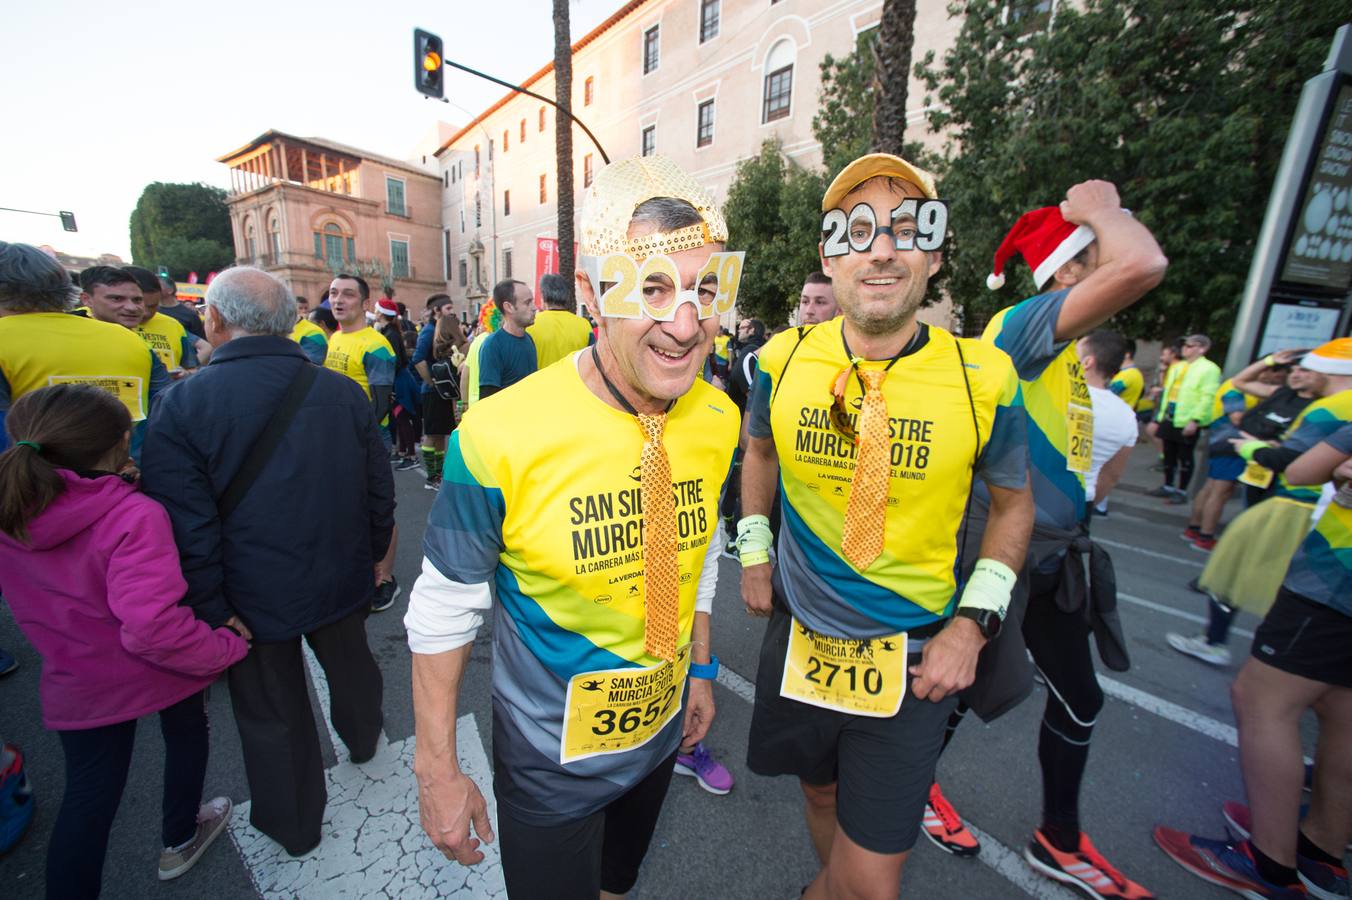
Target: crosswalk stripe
373,842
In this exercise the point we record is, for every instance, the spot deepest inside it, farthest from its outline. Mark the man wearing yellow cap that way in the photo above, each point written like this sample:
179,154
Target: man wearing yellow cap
875,425
588,495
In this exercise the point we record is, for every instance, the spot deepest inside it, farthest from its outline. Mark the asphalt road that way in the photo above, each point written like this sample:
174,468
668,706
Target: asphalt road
1163,753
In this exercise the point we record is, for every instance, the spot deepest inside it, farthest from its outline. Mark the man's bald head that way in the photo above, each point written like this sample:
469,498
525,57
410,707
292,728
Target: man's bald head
249,301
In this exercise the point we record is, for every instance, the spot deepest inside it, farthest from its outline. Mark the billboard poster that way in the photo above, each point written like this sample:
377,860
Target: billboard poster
1320,250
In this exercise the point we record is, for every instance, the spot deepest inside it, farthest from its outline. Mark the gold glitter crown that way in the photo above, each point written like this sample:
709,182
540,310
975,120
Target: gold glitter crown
617,191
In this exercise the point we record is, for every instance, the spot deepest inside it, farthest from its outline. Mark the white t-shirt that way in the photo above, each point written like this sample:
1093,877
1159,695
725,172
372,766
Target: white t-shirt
1114,428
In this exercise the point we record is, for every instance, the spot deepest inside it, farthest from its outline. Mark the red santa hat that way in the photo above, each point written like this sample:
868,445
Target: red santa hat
1045,240
386,307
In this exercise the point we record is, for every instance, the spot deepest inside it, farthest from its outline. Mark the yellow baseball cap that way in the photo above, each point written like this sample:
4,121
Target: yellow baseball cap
871,166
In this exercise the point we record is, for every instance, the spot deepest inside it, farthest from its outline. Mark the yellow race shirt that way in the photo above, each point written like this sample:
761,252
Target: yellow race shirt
170,341
1128,384
42,349
312,340
1317,422
1321,570
365,356
1060,409
1229,399
556,334
935,443
541,495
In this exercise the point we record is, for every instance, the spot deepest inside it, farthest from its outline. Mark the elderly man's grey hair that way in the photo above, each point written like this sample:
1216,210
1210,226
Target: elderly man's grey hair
31,281
253,302
666,213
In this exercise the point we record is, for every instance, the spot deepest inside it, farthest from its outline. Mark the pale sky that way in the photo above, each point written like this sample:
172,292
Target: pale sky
100,99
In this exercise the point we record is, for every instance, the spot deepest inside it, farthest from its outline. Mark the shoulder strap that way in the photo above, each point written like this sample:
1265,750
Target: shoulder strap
267,442
803,331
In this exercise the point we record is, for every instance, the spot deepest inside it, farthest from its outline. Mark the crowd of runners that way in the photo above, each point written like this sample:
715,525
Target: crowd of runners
910,510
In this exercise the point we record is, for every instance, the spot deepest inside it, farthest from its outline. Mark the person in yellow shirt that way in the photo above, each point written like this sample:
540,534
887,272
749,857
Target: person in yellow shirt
544,496
363,354
557,330
41,344
1129,383
312,340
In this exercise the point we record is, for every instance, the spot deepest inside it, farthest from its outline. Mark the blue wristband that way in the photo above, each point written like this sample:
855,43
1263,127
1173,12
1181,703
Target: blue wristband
708,671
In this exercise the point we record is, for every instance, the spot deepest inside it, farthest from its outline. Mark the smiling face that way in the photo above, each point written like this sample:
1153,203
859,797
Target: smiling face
121,304
879,289
346,303
657,361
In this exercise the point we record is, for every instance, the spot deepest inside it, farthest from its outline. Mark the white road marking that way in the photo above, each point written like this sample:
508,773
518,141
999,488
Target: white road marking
737,684
1179,715
373,843
1181,560
1178,613
1014,868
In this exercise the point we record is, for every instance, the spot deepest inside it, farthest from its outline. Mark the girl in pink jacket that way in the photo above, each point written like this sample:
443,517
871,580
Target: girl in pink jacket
89,569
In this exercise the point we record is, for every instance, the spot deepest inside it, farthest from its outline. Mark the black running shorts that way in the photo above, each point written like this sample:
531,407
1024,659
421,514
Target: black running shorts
577,860
438,414
882,768
1306,638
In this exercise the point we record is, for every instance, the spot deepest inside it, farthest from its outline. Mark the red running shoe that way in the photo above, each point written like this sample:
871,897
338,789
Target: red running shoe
944,826
1223,863
1085,869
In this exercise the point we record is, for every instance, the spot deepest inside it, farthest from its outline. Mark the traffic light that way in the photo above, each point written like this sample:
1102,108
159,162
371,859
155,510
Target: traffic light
162,271
67,220
427,76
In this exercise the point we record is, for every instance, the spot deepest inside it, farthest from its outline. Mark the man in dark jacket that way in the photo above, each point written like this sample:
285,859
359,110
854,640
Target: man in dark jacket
294,555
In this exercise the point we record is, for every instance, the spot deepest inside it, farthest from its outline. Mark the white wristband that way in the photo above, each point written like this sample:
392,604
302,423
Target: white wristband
990,587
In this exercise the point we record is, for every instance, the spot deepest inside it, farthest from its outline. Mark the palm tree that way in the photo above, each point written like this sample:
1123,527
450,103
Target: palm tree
563,135
891,72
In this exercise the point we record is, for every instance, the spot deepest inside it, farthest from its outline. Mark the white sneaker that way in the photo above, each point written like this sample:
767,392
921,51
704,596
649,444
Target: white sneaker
1198,648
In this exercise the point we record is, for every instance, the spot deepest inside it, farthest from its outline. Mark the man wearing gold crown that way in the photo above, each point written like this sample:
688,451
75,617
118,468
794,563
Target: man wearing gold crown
588,494
875,426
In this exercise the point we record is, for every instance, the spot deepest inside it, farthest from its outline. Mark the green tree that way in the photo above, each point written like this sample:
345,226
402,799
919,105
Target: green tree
1183,104
183,226
772,214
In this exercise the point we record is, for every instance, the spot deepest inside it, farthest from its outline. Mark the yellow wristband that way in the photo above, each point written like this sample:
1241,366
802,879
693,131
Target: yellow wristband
753,558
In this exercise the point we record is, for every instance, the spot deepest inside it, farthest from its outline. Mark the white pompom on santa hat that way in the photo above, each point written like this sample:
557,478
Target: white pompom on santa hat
1045,240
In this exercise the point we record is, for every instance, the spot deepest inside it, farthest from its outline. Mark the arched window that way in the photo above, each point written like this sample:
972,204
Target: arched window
250,242
778,95
330,243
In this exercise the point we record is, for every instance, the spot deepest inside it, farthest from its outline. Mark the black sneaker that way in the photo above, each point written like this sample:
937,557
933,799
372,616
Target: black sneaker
386,592
432,484
405,463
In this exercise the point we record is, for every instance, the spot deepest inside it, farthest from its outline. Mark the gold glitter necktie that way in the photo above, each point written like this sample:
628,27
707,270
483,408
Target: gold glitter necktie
866,511
661,573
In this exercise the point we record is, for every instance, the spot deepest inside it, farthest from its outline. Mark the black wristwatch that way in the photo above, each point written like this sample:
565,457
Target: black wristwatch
987,620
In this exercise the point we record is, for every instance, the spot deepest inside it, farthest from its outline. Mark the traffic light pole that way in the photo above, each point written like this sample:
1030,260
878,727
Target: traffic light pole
519,89
68,218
